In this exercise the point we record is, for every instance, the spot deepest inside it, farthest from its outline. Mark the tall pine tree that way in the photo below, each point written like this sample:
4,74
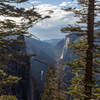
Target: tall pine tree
14,21
59,84
55,86
81,48
88,82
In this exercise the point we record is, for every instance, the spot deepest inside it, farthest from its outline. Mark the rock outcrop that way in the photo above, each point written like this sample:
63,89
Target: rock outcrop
19,65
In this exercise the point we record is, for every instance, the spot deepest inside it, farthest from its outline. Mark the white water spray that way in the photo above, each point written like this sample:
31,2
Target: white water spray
64,48
42,73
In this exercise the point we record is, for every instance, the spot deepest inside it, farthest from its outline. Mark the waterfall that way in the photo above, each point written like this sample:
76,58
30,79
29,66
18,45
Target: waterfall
65,47
42,72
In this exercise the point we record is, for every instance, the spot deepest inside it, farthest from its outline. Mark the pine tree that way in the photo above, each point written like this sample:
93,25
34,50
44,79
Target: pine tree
48,88
55,86
88,82
11,28
6,97
59,85
80,48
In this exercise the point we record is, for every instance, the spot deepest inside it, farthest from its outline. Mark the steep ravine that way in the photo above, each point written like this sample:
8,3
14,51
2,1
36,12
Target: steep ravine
46,54
33,75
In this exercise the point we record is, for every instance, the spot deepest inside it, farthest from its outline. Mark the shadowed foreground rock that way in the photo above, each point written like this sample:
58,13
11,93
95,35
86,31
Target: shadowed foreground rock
26,88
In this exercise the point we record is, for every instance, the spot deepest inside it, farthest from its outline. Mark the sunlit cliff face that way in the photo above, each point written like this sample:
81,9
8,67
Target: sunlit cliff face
65,47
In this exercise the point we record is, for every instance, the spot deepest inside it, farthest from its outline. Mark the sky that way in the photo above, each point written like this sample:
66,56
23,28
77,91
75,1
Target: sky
50,28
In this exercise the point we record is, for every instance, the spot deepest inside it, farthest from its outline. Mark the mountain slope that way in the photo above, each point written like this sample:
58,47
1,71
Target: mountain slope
48,54
45,55
35,46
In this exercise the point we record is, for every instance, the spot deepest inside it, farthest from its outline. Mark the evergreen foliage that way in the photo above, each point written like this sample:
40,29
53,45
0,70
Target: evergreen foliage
10,28
79,65
48,88
6,97
55,86
59,84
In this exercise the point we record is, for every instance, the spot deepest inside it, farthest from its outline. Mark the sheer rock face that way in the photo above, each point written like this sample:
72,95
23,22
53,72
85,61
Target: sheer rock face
45,55
26,88
65,54
33,72
63,48
22,89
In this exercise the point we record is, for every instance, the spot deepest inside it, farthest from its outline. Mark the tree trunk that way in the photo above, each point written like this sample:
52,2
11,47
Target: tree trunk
89,59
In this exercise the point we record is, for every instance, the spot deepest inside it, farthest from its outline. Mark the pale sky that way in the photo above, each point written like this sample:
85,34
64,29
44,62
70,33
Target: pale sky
50,28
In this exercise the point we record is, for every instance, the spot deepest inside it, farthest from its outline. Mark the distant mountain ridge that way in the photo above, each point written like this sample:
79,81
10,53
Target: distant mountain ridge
34,46
54,42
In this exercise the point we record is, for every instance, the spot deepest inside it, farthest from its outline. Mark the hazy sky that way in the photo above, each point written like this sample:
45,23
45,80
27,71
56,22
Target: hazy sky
50,28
